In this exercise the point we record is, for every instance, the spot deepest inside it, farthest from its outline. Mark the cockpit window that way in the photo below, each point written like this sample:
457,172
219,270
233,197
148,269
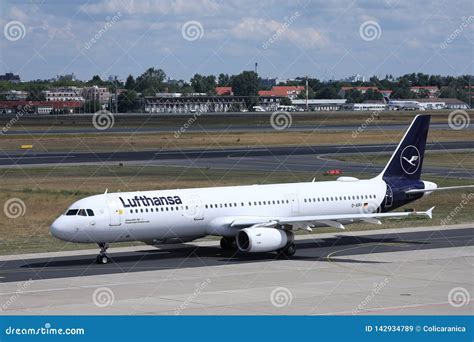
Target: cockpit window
82,212
90,212
72,212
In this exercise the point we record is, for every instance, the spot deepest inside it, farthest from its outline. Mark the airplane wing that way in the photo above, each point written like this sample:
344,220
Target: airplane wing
327,220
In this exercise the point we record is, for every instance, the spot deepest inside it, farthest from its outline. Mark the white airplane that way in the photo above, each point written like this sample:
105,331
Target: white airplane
402,104
253,218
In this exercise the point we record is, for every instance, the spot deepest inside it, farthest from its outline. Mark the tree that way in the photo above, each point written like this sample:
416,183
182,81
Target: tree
151,81
223,80
285,101
354,96
35,92
128,101
372,95
96,80
246,84
311,94
204,84
328,92
130,83
92,106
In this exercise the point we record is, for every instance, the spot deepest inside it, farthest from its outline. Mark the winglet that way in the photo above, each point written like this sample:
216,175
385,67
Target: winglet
429,212
106,190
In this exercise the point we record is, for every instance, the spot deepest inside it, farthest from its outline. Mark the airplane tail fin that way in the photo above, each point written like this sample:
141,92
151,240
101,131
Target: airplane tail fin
407,160
386,99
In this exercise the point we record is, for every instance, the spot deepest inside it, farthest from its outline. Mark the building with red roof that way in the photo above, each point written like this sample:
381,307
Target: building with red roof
221,91
283,91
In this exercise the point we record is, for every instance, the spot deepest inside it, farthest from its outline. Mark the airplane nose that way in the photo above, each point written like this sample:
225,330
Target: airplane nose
59,229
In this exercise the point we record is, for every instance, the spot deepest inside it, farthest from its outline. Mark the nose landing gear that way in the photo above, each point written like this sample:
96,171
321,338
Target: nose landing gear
102,258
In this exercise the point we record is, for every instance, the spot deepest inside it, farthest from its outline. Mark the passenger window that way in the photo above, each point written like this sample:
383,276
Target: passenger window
72,212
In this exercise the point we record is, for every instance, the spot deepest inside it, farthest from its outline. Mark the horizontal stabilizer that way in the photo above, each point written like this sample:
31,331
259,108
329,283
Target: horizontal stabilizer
420,191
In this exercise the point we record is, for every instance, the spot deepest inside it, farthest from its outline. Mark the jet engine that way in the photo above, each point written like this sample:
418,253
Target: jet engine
254,240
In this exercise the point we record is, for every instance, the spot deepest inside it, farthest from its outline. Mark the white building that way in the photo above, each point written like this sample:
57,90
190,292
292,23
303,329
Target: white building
319,104
365,106
64,94
15,95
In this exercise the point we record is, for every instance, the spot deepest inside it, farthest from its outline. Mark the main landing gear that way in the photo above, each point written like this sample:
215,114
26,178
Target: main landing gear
102,258
287,251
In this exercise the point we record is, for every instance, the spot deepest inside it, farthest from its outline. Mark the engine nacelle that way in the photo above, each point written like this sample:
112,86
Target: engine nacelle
254,240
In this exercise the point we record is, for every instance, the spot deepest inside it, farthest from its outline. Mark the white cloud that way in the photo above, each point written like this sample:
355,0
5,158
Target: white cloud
161,7
272,30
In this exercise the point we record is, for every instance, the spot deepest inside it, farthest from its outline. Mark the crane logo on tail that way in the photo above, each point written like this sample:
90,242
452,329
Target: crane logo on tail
410,159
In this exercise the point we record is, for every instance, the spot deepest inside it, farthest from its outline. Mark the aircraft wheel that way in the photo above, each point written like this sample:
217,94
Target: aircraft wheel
288,251
102,259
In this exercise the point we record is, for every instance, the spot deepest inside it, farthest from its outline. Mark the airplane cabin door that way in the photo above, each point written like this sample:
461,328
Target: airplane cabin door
388,197
295,206
115,212
195,208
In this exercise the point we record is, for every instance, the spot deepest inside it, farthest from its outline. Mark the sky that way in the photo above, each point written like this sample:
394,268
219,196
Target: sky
329,39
